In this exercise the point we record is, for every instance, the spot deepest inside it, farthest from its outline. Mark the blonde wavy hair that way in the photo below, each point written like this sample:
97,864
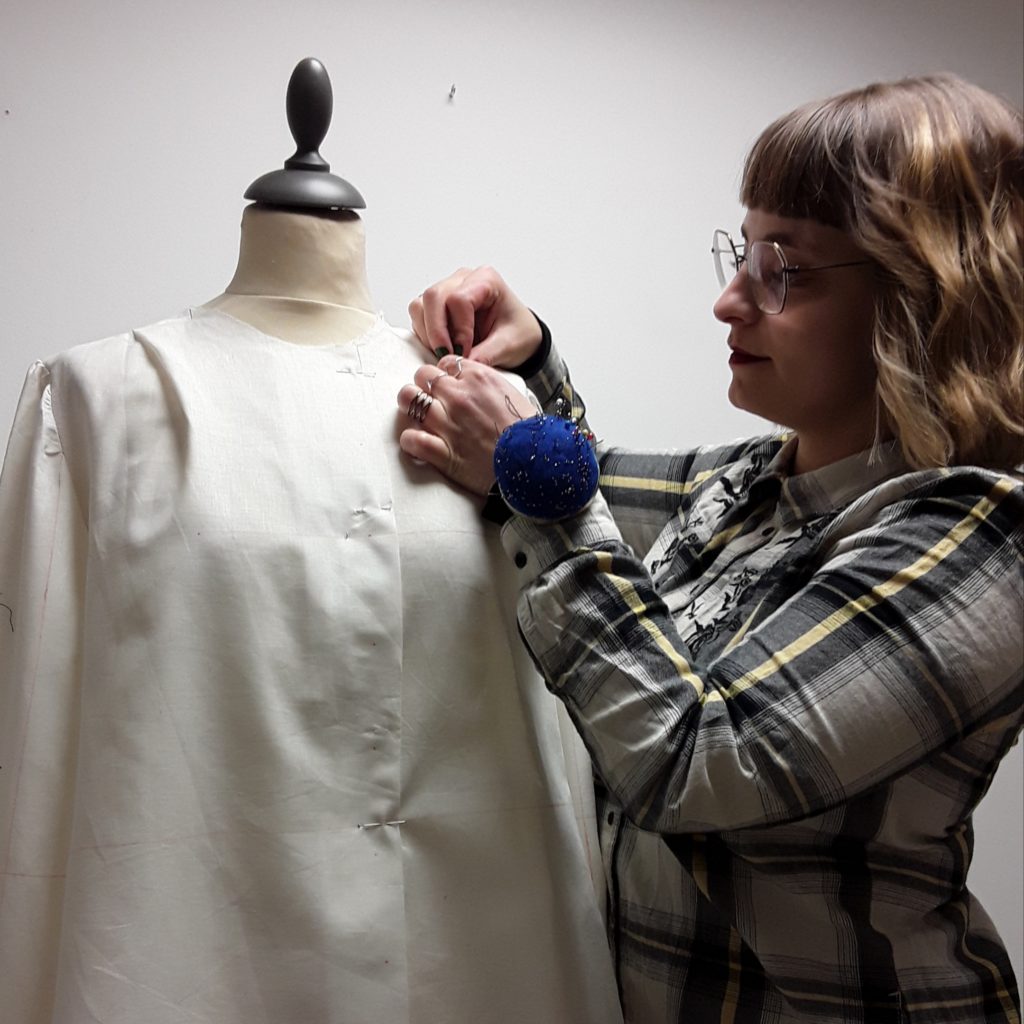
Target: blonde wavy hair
927,176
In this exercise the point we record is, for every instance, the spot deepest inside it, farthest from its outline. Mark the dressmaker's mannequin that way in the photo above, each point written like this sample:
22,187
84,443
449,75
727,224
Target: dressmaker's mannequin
301,275
256,769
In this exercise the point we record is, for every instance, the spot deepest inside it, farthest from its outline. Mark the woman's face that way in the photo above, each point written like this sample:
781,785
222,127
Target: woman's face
811,366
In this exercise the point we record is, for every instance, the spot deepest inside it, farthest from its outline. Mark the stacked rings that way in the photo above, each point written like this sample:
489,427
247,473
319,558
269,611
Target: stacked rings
419,405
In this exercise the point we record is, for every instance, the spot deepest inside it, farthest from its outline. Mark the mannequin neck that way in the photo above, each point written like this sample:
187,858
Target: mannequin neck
301,276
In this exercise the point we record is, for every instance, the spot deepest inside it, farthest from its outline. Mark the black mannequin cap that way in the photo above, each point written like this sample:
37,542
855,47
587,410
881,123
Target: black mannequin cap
305,180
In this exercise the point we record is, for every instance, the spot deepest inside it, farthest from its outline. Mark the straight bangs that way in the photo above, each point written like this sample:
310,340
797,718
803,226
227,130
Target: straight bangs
800,166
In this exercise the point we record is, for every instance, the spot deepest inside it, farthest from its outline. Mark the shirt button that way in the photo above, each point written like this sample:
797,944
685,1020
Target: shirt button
520,559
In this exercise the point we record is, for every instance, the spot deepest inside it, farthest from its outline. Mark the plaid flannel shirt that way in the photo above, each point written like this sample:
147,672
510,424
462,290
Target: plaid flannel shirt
795,690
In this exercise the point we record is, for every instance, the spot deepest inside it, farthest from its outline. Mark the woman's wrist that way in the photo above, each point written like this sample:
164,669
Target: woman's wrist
535,363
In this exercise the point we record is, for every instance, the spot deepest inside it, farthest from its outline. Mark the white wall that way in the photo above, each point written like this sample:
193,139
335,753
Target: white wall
590,150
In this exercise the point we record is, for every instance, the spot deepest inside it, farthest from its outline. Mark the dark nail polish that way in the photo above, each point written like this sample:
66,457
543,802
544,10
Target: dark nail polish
457,349
440,351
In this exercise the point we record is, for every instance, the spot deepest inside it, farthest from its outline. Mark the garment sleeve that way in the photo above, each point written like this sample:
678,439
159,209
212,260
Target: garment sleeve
904,639
42,558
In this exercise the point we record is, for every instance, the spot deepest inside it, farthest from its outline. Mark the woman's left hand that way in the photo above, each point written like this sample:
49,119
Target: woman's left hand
459,409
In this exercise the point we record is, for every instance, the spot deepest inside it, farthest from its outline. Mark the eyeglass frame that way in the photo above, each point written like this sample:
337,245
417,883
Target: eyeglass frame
787,270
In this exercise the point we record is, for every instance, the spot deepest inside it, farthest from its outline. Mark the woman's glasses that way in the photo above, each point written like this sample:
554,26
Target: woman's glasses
767,269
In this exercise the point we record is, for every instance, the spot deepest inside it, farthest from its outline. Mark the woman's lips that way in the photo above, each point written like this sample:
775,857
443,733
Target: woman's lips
739,358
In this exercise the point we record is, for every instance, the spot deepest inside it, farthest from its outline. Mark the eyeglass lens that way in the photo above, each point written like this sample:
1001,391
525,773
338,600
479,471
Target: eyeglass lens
766,269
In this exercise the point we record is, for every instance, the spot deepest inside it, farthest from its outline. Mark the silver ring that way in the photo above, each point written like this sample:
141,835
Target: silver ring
458,368
419,405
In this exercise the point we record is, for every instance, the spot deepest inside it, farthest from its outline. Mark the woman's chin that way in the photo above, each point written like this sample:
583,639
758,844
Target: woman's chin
740,397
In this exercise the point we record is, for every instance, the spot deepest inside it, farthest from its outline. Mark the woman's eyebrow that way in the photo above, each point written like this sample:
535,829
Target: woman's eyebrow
782,237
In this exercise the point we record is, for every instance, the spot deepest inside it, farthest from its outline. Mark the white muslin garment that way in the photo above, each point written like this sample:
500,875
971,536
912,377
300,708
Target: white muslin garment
270,749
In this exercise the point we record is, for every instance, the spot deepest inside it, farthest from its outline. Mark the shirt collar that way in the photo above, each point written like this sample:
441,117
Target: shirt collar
824,490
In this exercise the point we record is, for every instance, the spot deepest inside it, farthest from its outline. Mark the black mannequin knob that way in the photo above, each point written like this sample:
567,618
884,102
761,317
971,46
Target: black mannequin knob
305,181
309,103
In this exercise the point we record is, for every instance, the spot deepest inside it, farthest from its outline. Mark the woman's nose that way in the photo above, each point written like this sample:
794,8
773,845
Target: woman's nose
736,303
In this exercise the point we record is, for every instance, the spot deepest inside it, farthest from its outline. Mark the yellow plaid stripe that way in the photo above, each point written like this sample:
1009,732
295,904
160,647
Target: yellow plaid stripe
638,608
641,483
875,596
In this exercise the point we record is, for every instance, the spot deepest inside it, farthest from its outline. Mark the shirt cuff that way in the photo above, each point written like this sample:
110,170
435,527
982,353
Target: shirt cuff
536,546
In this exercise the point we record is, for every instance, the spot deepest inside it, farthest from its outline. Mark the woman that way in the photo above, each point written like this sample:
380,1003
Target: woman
797,660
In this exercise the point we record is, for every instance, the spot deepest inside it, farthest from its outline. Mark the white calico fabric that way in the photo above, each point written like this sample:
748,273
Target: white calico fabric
270,749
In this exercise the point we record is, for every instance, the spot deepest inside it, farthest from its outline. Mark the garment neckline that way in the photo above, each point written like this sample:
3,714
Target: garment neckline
827,488
205,313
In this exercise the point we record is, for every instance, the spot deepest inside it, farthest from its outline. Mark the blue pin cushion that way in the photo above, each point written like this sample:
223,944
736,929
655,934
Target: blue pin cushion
545,467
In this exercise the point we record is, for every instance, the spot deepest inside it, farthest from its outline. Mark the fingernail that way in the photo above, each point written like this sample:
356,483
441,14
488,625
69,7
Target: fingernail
457,349
440,351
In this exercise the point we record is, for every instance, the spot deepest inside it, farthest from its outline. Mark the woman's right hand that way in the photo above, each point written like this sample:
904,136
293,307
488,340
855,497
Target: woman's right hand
475,314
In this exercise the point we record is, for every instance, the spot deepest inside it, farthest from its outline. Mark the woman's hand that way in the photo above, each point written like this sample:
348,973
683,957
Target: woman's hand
461,408
474,313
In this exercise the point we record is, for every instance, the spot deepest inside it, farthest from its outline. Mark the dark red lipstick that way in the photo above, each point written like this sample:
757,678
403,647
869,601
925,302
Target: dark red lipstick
738,358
